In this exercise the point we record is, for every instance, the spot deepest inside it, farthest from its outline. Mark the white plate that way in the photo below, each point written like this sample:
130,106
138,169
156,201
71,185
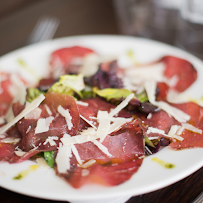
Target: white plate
151,176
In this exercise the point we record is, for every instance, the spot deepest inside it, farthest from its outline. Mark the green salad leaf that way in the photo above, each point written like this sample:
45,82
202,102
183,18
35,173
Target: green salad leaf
32,94
49,157
110,93
68,84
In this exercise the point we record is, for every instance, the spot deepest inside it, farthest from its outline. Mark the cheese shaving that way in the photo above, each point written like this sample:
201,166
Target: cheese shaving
102,148
122,105
63,158
43,124
82,103
35,103
48,110
75,152
19,153
42,163
89,122
104,125
88,163
66,114
150,87
51,141
34,114
11,140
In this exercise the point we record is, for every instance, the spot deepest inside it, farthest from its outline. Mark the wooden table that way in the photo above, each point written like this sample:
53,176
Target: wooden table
77,17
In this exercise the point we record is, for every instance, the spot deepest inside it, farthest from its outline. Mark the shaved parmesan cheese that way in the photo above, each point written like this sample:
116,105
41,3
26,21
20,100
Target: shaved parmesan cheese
155,130
82,103
88,163
117,124
48,110
28,130
104,125
102,148
78,140
42,163
85,172
75,152
173,132
19,153
34,114
149,116
2,136
11,140
150,87
89,122
122,105
43,124
63,158
66,114
51,141
2,120
191,128
153,138
27,109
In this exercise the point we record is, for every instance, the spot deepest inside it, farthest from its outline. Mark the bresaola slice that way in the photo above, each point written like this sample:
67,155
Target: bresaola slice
68,60
182,69
191,139
125,146
58,126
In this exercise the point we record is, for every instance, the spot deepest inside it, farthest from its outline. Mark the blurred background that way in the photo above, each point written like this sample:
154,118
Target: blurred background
176,22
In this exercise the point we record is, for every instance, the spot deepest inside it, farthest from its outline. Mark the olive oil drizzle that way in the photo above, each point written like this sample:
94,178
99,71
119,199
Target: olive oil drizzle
163,163
25,172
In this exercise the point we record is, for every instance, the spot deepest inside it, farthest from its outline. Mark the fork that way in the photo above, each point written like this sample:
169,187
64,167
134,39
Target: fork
44,29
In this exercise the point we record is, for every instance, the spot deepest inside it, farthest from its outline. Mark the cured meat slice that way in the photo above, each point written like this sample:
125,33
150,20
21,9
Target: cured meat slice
7,148
62,60
94,105
191,139
125,146
58,127
159,120
110,175
182,69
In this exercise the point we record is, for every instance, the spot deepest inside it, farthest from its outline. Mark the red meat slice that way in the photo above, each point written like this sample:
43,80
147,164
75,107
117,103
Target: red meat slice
7,149
58,127
191,139
94,105
126,145
160,120
109,175
64,58
181,68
